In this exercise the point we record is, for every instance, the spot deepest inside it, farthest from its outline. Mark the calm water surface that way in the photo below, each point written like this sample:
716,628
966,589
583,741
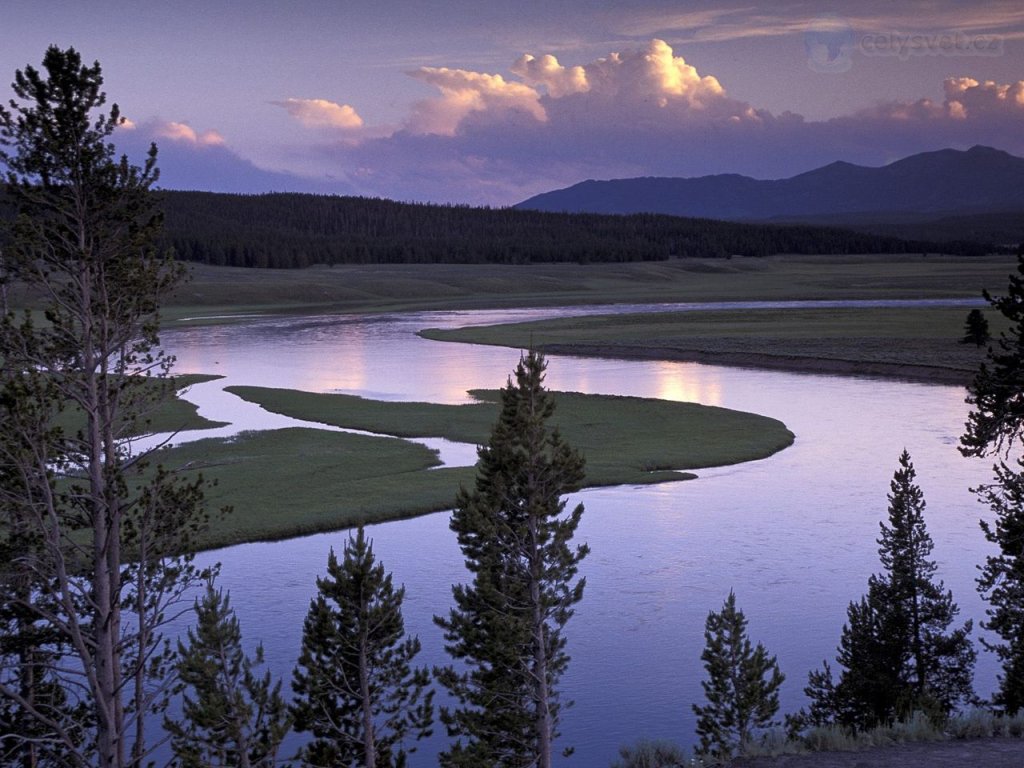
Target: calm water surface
793,535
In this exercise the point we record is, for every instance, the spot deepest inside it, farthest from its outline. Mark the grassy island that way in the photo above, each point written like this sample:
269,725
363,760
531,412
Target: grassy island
289,482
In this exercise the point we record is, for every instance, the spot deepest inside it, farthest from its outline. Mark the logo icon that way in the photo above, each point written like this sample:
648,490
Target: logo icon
829,42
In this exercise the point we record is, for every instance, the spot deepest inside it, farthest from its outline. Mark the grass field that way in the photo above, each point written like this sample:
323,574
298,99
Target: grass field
289,482
919,343
236,292
170,414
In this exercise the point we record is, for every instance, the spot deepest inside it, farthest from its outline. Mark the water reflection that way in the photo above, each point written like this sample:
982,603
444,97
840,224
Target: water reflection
680,382
793,535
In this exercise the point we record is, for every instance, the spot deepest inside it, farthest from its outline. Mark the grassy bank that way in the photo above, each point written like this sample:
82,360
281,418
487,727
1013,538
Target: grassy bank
917,343
220,291
289,482
170,412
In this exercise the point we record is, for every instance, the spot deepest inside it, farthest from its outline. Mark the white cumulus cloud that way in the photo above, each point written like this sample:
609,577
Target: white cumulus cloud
185,133
546,71
321,113
464,93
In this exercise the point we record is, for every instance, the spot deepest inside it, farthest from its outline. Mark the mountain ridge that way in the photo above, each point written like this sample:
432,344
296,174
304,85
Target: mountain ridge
942,182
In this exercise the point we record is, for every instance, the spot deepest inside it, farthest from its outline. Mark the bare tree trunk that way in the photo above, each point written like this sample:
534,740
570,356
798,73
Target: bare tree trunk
543,722
369,740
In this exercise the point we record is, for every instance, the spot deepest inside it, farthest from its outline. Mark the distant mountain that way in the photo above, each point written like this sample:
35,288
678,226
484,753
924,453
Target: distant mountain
926,186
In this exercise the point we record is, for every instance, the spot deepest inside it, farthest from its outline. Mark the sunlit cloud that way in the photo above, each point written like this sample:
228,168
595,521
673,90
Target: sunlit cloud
645,110
321,113
654,71
183,132
464,93
642,110
965,99
545,71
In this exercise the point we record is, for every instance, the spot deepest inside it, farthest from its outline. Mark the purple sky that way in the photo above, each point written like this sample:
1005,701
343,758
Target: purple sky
471,101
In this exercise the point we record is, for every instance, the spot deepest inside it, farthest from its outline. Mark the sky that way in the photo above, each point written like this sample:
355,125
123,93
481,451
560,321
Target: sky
488,103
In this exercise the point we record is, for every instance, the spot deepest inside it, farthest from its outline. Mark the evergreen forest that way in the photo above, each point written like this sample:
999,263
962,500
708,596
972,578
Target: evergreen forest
286,231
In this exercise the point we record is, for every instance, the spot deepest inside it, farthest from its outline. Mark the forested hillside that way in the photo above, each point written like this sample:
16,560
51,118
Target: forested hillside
297,230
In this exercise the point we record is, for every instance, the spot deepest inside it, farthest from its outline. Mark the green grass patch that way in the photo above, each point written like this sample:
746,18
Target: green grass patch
625,439
912,336
226,292
289,482
165,410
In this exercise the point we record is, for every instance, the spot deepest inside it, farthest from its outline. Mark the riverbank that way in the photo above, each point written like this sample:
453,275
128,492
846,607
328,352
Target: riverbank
908,344
224,294
915,343
925,374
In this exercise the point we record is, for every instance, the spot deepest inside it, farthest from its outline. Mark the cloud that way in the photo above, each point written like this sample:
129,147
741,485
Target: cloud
465,93
183,132
654,72
966,99
557,80
489,138
639,112
746,20
320,113
977,99
203,161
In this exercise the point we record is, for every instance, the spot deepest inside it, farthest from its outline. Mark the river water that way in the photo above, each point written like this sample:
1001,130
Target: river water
793,535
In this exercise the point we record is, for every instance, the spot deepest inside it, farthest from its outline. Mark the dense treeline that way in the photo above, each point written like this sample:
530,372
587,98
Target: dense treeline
298,230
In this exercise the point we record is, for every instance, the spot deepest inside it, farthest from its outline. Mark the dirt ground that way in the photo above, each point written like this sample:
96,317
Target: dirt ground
976,753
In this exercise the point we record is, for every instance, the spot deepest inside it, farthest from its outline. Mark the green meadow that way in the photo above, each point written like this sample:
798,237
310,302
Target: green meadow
289,482
168,411
221,294
914,342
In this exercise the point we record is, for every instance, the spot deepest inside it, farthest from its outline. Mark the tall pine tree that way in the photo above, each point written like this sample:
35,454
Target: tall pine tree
108,558
355,688
899,651
1002,584
507,625
995,426
996,396
231,716
742,685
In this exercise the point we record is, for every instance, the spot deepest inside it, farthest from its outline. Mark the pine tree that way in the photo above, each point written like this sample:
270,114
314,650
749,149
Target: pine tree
231,716
976,329
940,660
507,624
742,685
872,651
898,651
355,689
996,396
109,542
1002,584
995,426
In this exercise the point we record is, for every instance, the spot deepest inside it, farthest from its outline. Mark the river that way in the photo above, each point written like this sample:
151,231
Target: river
792,535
